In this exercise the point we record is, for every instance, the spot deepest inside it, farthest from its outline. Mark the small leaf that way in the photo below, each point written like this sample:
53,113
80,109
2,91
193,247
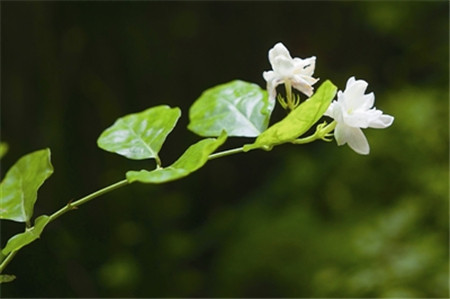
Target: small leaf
193,158
299,121
240,108
3,149
4,278
18,190
20,240
140,135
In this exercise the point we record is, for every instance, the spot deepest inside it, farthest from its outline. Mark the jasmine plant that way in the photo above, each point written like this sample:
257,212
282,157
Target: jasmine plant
233,109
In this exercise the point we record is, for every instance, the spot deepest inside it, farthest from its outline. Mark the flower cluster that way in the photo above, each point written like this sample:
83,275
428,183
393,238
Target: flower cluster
352,111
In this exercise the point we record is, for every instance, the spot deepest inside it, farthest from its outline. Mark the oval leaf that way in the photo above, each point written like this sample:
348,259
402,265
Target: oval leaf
193,158
299,121
18,190
240,108
140,135
31,234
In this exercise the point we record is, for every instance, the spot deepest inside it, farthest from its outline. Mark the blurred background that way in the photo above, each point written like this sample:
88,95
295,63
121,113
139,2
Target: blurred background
300,221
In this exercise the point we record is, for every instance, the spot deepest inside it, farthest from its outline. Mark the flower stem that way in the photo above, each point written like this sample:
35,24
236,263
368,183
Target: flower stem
321,132
226,153
290,100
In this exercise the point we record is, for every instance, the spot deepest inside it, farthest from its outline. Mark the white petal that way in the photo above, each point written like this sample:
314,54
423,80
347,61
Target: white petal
283,66
305,66
278,50
354,94
272,87
330,111
357,119
350,82
367,101
269,75
334,111
301,85
310,80
354,137
382,122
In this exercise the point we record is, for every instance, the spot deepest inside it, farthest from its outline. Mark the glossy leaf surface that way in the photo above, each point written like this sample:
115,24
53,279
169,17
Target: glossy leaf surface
193,158
18,190
240,108
25,238
140,135
299,121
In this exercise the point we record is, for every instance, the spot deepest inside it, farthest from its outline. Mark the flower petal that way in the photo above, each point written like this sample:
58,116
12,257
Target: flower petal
278,50
382,122
367,101
305,66
354,92
283,66
354,137
302,85
272,87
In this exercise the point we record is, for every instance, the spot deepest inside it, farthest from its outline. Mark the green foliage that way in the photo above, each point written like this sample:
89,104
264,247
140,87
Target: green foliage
240,108
140,135
19,187
193,158
299,121
31,234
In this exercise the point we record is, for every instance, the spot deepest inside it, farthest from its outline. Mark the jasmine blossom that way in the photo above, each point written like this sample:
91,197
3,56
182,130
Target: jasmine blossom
293,72
353,110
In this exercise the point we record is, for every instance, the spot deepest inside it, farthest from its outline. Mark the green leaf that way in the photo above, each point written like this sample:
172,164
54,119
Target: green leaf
20,240
3,149
4,278
299,121
140,135
193,158
18,190
240,108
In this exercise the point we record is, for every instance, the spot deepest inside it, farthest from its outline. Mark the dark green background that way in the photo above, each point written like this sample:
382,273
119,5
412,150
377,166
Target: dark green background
301,221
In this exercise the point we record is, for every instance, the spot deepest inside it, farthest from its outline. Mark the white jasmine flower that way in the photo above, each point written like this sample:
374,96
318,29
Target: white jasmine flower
352,112
295,72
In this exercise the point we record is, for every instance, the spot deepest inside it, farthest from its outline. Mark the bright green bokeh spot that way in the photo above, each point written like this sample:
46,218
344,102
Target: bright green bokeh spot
3,149
18,190
31,234
240,108
7,278
299,121
140,135
193,158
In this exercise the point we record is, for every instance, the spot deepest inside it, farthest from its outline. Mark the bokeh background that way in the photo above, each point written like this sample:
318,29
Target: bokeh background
301,221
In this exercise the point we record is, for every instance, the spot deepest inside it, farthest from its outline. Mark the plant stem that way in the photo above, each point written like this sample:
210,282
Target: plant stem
320,133
226,153
69,207
73,205
6,261
290,100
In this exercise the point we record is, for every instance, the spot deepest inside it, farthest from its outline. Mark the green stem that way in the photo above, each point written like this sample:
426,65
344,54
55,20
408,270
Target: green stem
290,100
6,261
226,153
73,205
69,207
320,133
